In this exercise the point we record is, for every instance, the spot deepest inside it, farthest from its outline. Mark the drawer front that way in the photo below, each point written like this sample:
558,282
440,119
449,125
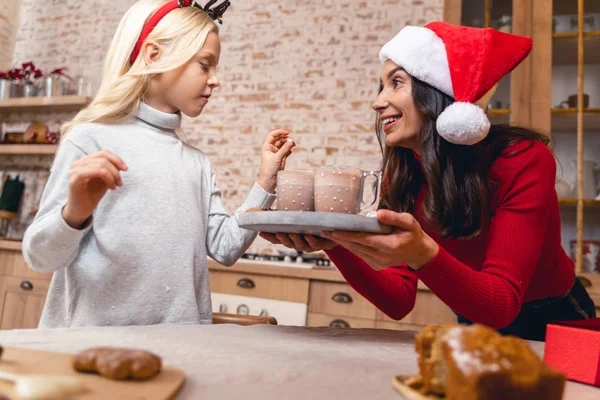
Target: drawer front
263,286
13,263
336,321
428,310
285,312
339,299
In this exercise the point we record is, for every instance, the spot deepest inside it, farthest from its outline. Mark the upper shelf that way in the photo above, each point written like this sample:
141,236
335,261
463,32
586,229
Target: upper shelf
565,120
564,48
588,203
15,245
498,115
29,149
46,104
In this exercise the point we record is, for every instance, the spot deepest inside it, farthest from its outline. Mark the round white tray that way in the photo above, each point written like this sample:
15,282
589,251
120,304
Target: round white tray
309,222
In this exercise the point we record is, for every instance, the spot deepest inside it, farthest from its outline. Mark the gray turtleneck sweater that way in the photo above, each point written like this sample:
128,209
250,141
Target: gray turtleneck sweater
143,258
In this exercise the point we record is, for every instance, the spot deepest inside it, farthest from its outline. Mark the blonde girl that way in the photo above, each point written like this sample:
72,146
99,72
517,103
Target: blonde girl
131,212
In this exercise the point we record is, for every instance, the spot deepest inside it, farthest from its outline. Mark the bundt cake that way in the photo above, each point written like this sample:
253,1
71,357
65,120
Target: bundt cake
459,362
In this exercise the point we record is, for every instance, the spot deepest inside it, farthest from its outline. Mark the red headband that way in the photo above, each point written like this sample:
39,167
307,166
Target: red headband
215,13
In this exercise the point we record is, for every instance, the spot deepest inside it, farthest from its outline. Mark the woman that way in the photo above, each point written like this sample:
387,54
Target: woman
473,207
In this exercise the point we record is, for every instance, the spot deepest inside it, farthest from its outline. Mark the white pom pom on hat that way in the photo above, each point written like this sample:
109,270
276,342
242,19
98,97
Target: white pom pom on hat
463,123
462,62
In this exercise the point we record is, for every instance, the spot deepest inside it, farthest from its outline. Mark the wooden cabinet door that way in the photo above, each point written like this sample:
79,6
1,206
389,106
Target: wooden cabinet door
21,302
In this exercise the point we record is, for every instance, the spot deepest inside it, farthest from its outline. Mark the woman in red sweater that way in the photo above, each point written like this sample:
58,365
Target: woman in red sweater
473,206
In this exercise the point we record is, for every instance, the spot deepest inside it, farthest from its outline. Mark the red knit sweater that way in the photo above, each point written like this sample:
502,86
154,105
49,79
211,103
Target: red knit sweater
517,258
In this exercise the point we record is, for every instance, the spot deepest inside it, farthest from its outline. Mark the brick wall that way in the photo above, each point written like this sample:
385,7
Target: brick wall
9,14
307,66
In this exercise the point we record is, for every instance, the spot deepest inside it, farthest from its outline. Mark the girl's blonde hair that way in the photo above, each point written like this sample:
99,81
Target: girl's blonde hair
182,33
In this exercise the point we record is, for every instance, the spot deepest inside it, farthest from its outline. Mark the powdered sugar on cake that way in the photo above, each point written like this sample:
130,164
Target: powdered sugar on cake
470,362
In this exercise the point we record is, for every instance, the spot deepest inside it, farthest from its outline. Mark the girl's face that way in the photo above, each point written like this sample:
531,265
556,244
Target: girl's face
401,120
189,87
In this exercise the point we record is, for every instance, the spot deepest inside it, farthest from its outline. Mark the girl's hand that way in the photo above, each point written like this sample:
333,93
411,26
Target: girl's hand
407,244
306,243
89,180
275,151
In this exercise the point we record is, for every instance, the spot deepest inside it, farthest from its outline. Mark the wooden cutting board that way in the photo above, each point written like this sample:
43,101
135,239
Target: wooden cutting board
23,361
408,392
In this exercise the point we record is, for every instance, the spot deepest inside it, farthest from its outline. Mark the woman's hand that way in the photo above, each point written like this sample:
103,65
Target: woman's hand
89,180
407,244
276,149
305,243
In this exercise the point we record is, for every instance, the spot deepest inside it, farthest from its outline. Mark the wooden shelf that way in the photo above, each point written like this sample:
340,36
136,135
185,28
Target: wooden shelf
564,48
16,149
498,111
573,202
565,120
14,245
498,115
57,103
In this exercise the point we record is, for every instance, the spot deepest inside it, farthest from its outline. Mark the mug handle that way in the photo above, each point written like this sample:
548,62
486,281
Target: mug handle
377,175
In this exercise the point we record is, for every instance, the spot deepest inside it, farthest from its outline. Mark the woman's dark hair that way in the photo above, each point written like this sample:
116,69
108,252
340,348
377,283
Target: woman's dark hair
457,200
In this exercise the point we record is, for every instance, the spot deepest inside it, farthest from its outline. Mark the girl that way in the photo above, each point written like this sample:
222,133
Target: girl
130,212
475,215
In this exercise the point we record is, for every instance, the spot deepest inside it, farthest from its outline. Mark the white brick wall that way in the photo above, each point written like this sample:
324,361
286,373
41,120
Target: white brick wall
307,66
9,14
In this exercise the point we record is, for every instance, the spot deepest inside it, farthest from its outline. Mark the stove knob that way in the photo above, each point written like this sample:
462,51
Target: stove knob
243,309
299,260
264,313
287,259
223,308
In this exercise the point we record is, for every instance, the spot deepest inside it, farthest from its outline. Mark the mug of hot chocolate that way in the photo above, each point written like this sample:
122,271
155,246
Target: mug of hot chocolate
295,190
340,189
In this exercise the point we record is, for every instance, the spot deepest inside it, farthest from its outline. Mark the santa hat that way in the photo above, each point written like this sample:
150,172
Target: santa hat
463,62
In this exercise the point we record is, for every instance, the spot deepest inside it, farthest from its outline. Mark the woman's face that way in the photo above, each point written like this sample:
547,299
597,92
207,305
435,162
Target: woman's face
401,120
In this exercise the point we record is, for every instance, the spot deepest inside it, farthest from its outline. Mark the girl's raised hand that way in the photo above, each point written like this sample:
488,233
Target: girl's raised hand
274,153
89,180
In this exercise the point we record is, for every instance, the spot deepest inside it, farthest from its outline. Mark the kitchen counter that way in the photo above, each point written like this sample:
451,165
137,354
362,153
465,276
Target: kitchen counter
290,270
264,362
331,274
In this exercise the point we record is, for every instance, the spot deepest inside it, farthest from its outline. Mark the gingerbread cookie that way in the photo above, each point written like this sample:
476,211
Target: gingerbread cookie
118,363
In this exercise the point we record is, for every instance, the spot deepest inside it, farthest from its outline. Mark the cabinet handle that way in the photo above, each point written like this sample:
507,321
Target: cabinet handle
26,285
339,323
341,297
246,283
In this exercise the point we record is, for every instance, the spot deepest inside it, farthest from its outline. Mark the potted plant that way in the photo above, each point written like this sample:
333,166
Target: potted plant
55,82
30,79
15,76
